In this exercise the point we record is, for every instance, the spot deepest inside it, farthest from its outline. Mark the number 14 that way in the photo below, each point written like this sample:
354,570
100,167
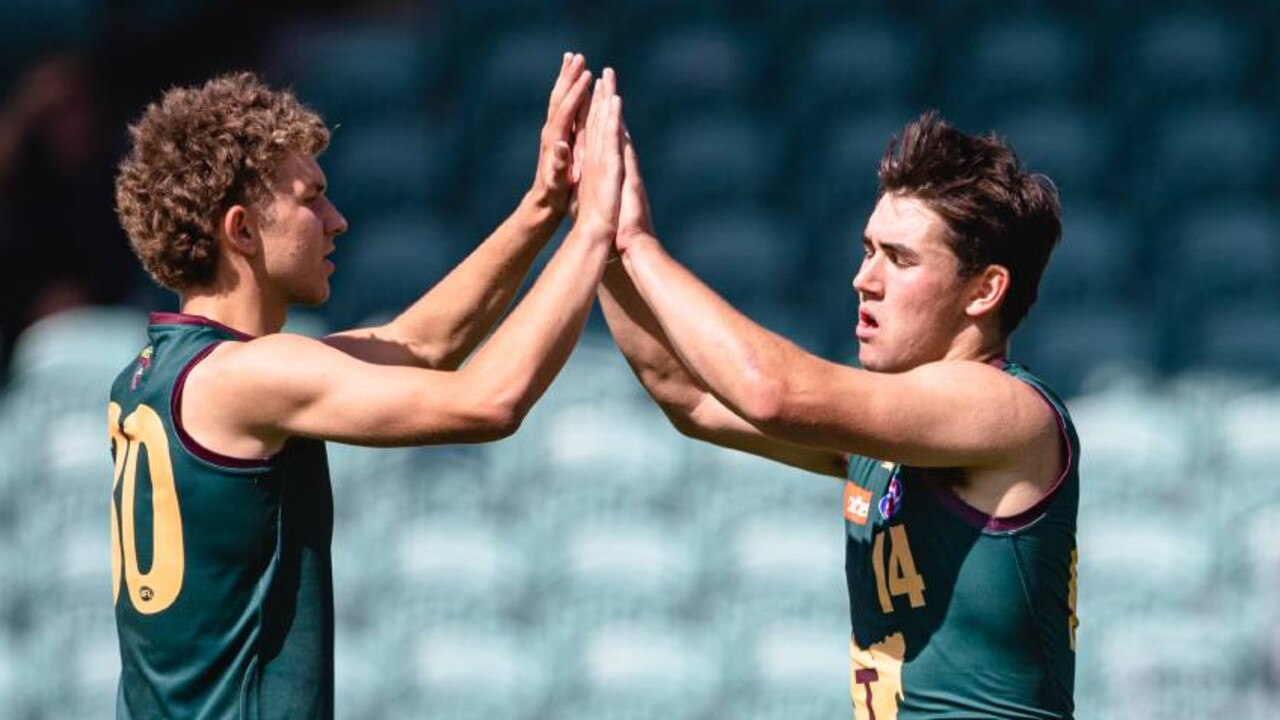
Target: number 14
901,577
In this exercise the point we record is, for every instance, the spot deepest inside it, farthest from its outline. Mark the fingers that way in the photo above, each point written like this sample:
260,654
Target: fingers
570,66
580,139
630,161
560,155
561,119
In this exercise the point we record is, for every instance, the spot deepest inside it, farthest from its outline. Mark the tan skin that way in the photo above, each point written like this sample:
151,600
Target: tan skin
396,385
929,397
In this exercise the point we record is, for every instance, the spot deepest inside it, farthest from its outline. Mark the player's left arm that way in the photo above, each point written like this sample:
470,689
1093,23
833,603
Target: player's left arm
942,414
442,328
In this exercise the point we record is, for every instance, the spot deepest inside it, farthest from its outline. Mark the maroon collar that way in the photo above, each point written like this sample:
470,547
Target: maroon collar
166,318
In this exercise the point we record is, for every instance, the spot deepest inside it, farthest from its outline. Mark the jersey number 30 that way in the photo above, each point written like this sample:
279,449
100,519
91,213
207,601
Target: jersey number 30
156,589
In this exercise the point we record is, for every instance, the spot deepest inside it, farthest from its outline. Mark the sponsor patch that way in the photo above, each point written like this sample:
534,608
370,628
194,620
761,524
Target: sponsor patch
144,364
891,503
857,504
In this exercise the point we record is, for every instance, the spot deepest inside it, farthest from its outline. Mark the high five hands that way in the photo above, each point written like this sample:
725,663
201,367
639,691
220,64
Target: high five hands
586,151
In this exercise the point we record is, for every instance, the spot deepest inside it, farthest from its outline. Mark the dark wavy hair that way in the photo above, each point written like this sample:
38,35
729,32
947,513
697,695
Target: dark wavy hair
195,154
996,212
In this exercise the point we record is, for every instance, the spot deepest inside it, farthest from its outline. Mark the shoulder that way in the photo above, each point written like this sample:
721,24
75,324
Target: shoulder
1013,407
268,369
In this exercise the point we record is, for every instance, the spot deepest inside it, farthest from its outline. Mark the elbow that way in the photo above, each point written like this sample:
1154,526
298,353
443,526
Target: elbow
762,401
498,420
682,420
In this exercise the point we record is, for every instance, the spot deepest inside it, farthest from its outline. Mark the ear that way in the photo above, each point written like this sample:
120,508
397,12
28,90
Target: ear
240,230
987,289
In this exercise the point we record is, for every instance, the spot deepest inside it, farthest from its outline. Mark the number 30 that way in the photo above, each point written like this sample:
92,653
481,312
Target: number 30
155,590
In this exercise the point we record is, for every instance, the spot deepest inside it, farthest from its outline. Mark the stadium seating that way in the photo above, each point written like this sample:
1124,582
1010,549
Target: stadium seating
600,565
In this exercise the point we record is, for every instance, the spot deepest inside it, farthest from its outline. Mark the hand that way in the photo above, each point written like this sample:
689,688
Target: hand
554,179
600,186
634,217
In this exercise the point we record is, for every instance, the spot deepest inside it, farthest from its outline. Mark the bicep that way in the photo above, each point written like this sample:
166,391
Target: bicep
381,345
295,386
943,414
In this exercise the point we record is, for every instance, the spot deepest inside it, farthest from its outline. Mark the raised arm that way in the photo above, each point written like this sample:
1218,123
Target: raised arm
943,414
445,325
259,393
683,398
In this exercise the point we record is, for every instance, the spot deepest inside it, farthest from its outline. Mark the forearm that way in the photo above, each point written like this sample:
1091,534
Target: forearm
640,338
446,324
740,362
518,362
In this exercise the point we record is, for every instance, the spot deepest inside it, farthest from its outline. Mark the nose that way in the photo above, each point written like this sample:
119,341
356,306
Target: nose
337,224
867,280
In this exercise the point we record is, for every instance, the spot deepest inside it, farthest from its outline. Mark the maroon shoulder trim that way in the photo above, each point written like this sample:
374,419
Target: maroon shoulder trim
165,318
190,443
983,521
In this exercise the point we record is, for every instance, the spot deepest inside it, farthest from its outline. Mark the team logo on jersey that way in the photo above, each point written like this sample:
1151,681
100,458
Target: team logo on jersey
857,504
891,503
144,364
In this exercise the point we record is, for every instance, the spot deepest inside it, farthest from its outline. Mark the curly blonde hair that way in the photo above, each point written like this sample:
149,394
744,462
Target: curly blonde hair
195,154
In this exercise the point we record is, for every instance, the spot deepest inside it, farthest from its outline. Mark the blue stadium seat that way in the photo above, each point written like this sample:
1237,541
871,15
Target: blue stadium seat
1136,558
1137,447
82,346
1219,254
705,160
788,668
1077,346
456,567
838,174
393,166
475,671
603,454
1168,59
513,76
619,564
1096,260
651,669
1166,665
500,169
384,266
746,254
1249,432
854,66
1219,151
696,68
354,73
1243,338
778,562
1026,61
1070,143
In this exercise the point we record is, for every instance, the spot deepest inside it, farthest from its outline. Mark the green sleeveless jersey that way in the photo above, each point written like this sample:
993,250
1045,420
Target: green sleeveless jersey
220,566
957,614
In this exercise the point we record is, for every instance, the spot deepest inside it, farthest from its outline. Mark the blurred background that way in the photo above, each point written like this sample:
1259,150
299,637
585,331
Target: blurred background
597,564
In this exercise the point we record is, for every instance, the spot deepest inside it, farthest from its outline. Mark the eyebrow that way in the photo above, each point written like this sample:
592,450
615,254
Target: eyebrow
900,250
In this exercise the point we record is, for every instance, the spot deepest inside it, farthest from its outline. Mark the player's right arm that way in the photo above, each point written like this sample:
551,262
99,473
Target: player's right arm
447,323
684,399
261,392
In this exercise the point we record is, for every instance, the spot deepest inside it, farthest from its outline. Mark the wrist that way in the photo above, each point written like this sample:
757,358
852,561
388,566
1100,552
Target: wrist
641,240
538,211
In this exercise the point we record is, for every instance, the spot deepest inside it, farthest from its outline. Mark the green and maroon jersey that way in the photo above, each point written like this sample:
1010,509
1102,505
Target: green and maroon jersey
220,566
957,614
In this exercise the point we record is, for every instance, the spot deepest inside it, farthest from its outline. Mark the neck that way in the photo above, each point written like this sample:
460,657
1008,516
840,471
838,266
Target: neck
979,343
242,309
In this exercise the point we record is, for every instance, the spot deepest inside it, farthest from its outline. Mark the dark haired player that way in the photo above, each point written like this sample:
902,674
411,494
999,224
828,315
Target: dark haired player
960,466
